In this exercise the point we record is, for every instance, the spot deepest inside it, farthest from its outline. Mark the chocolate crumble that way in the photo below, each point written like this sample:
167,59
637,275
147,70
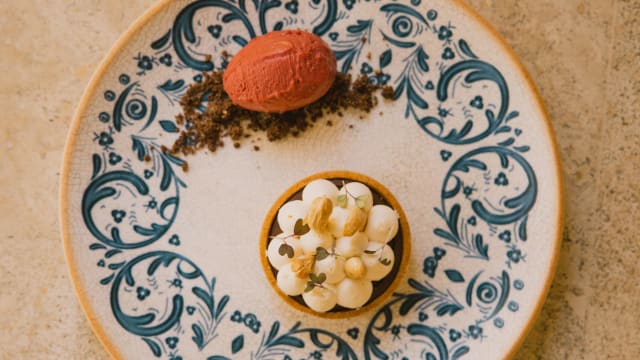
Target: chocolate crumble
208,115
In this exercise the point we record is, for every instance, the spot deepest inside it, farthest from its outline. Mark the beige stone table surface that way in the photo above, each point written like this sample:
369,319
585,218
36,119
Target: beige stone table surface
584,55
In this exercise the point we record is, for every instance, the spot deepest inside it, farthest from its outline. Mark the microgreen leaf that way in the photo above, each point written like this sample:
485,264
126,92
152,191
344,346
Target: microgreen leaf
321,278
343,200
321,253
310,286
361,201
285,249
300,228
385,262
313,277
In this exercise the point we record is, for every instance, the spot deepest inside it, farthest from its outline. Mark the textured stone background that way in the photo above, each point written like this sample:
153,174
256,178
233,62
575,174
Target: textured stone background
583,55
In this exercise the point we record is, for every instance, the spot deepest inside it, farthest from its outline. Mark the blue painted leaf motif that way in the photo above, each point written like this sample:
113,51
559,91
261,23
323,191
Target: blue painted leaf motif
237,344
198,336
168,126
170,85
240,40
459,352
503,129
464,47
385,58
512,115
97,165
507,142
111,253
273,332
522,149
155,348
96,246
445,235
218,357
481,248
450,309
107,280
221,305
204,296
139,148
445,155
422,58
116,266
360,26
161,42
522,229
278,26
454,275
411,301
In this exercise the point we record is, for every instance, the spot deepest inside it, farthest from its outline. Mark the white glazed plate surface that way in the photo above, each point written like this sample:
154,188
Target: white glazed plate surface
166,262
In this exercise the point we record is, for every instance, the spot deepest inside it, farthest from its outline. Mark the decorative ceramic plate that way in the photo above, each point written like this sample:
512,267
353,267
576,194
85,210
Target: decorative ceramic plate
166,262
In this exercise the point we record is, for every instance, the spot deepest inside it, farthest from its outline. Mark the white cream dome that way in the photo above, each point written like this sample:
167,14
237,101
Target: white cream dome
348,246
273,252
353,294
289,282
289,213
377,252
382,224
312,240
319,188
332,267
321,299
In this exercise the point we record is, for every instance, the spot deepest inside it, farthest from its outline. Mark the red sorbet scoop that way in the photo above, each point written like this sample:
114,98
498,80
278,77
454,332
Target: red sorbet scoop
280,71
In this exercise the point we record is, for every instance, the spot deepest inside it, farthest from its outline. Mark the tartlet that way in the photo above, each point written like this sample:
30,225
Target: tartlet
335,244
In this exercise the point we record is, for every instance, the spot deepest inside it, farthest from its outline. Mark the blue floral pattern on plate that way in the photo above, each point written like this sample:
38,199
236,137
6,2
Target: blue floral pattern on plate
447,92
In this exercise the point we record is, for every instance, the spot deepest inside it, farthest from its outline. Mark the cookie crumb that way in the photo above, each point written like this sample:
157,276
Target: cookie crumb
387,92
204,128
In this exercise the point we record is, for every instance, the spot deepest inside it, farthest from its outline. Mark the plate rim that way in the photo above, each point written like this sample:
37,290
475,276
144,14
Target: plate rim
157,8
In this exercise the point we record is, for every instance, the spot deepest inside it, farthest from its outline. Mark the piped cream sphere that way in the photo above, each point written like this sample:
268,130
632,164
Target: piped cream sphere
353,294
321,299
354,268
348,246
332,267
289,213
289,282
382,224
376,270
273,252
312,240
319,188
